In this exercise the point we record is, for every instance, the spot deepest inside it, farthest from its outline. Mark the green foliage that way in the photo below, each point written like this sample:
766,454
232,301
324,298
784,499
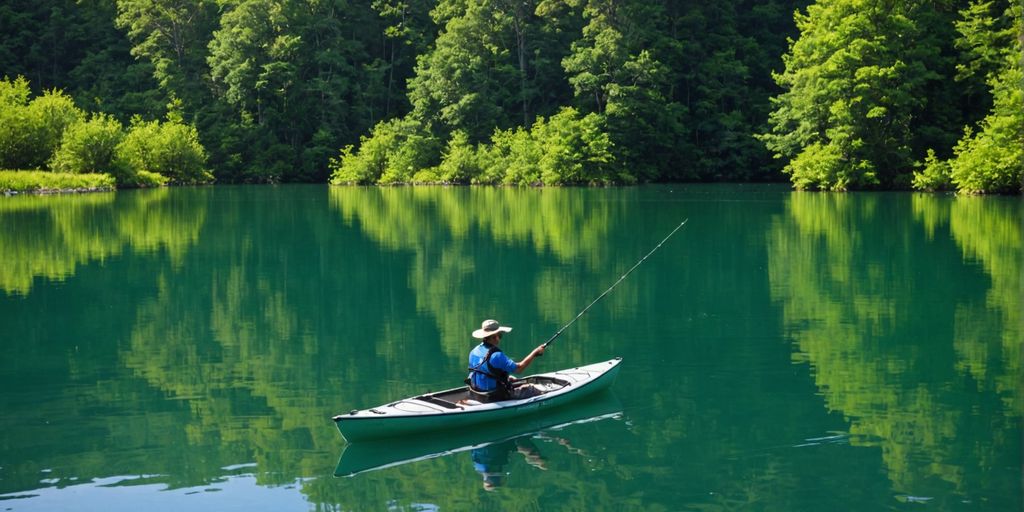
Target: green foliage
356,167
91,147
991,159
644,126
74,46
524,153
853,82
30,131
460,84
49,130
597,63
14,93
15,144
824,167
49,116
170,149
986,33
272,88
460,163
252,57
567,149
934,174
172,35
392,154
721,65
43,181
614,72
418,151
147,179
274,61
512,159
575,150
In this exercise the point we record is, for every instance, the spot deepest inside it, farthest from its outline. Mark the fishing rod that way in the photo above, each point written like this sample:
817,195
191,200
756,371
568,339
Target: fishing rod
599,297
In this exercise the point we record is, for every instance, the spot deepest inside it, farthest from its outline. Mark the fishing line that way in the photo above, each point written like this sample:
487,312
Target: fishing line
599,297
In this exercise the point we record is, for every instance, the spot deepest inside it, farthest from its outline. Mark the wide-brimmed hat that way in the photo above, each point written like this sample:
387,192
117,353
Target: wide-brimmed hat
489,327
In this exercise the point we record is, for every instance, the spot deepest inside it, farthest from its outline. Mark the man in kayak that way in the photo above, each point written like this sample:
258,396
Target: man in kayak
489,368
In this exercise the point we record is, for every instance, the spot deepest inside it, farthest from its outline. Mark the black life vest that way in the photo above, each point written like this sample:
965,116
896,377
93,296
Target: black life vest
500,376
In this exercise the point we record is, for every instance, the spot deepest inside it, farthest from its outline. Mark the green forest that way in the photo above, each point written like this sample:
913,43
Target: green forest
830,95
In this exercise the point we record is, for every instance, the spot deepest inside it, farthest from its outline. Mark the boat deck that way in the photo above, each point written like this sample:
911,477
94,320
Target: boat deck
460,397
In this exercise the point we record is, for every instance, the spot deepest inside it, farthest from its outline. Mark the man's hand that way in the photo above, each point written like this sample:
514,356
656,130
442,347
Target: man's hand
537,352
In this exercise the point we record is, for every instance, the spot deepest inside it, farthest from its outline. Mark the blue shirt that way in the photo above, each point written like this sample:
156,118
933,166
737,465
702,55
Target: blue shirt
498,360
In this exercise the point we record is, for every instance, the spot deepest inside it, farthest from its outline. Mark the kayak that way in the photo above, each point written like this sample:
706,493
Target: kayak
454,408
365,456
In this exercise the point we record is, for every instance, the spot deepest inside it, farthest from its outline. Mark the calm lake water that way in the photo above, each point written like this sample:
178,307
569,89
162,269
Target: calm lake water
185,349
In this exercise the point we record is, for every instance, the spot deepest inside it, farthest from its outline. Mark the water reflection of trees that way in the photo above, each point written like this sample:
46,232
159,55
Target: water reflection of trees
240,346
50,237
237,341
865,286
988,231
232,342
61,374
693,424
456,279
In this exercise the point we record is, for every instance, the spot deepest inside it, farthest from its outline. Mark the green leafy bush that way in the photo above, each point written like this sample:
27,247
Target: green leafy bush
170,149
50,131
416,150
992,160
564,150
49,116
574,150
146,179
460,163
492,158
393,153
934,174
91,147
825,167
13,124
513,159
30,131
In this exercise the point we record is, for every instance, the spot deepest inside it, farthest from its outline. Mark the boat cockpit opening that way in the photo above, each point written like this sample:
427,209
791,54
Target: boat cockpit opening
457,398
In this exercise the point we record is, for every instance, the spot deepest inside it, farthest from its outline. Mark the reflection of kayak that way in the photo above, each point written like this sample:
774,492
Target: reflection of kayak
454,408
363,456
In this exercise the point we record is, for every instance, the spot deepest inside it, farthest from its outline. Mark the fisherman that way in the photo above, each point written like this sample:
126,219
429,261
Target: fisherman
489,368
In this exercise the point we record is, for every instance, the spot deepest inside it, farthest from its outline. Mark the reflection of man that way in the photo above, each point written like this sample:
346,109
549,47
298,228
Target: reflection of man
490,460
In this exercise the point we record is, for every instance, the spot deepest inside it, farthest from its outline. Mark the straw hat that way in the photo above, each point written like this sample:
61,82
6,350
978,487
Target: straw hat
489,327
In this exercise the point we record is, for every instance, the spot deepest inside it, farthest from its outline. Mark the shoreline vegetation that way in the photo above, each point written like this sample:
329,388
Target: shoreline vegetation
70,149
43,182
830,95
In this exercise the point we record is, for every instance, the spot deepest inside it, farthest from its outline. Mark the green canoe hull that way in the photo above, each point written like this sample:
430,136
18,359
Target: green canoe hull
364,456
430,413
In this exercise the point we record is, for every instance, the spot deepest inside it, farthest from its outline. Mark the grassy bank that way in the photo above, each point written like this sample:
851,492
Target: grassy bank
42,182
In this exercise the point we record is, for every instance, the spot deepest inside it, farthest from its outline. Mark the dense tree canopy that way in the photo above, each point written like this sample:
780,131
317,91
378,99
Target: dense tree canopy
837,94
867,96
992,160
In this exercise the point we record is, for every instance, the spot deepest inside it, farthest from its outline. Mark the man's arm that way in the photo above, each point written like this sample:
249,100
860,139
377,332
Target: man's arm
539,351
